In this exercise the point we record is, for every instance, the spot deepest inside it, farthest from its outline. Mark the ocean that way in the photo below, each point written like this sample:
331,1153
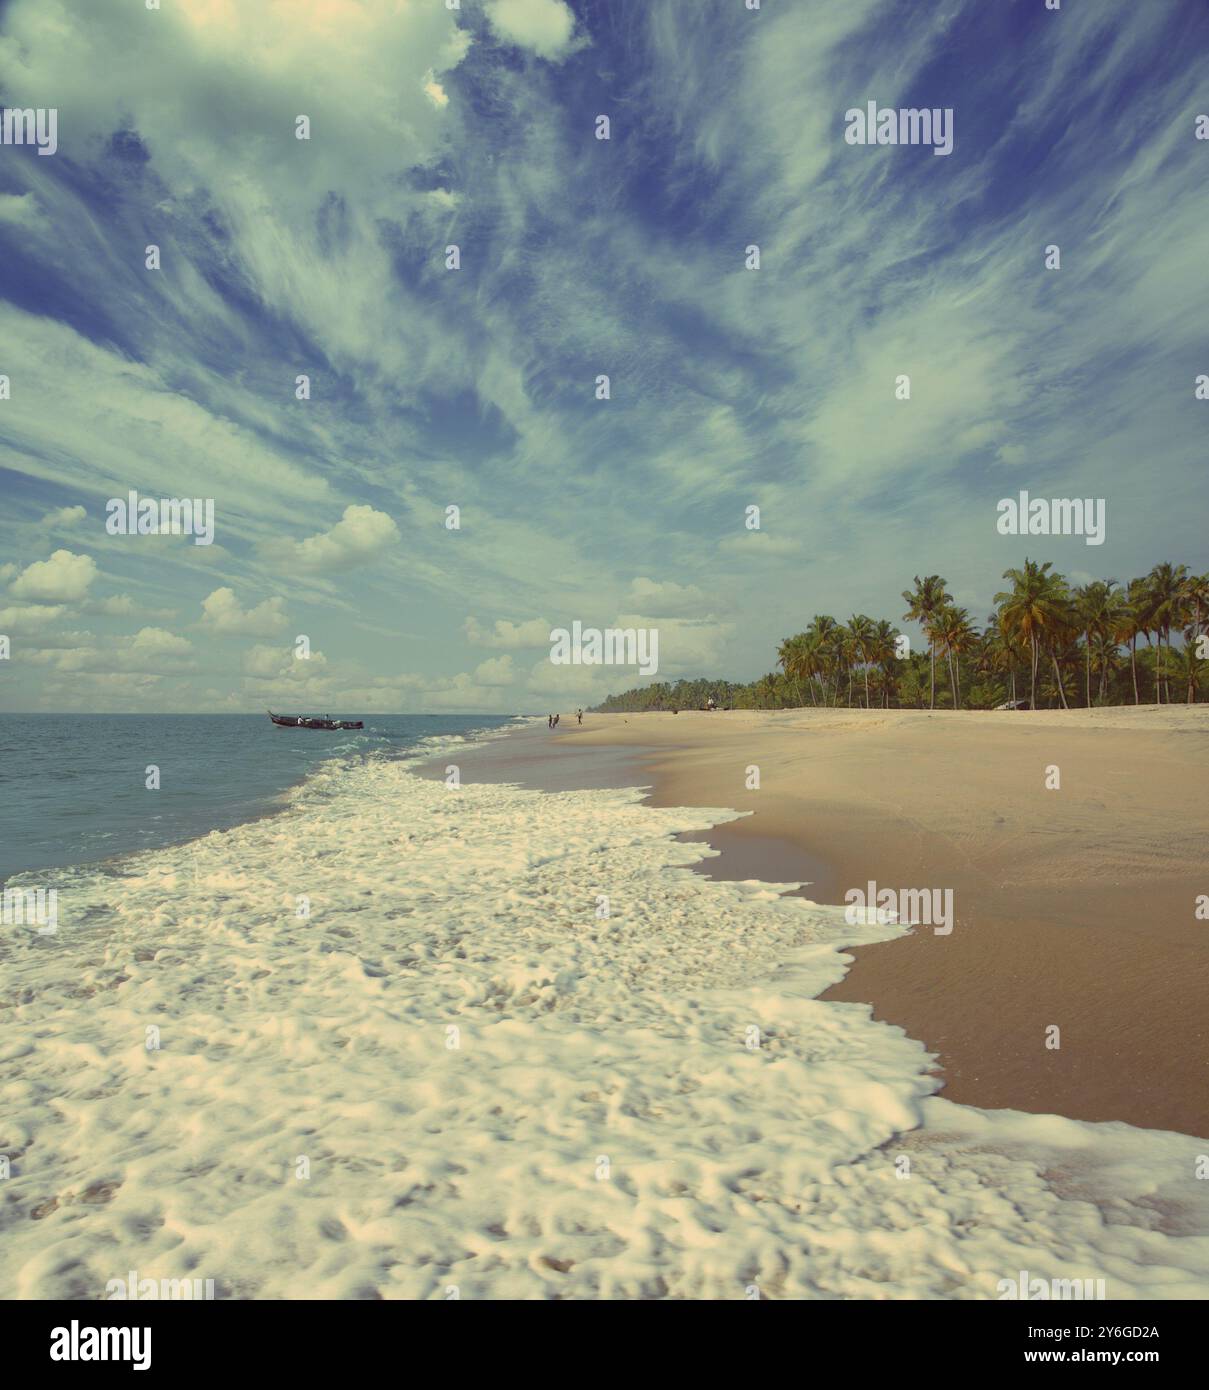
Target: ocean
405,1039
77,783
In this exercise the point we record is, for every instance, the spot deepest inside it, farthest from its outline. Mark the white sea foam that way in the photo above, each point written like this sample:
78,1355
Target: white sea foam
602,1129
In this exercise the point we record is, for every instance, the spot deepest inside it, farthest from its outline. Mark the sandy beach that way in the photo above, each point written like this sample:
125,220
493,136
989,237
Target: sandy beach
459,1037
1074,907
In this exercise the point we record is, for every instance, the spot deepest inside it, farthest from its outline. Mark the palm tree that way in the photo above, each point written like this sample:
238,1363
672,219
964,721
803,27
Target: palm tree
1096,607
945,627
1062,644
923,604
821,630
1196,596
657,693
790,656
954,635
1191,667
1196,599
1165,587
801,656
999,653
766,689
1036,618
834,654
963,638
861,633
845,651
1115,608
1035,605
1134,623
884,652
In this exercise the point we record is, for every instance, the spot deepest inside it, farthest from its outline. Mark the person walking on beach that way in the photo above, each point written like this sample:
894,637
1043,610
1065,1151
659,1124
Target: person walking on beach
556,717
579,716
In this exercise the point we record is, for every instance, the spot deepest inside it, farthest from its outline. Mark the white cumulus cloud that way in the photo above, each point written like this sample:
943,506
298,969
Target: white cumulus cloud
545,26
357,537
506,636
157,641
64,516
496,670
668,598
64,578
28,619
224,614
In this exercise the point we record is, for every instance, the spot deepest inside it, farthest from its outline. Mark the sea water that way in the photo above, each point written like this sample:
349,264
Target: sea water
73,787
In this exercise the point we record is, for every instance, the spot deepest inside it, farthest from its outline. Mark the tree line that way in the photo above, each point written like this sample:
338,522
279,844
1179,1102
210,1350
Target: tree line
1047,641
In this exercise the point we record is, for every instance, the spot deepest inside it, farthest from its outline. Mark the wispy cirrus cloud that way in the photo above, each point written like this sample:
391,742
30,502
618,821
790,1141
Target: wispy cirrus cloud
730,388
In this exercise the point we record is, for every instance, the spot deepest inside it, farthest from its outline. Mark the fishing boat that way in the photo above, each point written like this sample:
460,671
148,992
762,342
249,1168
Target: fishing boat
290,721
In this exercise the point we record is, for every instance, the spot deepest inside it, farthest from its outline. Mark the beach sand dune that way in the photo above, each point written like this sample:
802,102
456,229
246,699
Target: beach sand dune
1075,904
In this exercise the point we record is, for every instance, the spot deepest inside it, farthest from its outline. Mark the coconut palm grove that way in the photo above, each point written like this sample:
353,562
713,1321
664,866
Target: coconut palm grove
1048,644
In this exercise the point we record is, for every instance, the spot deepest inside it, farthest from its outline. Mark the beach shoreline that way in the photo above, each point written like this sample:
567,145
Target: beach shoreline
514,1043
1074,904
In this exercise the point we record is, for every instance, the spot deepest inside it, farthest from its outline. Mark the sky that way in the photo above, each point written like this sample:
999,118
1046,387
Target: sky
476,388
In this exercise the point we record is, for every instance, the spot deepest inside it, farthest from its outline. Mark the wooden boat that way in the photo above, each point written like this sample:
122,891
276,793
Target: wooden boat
289,721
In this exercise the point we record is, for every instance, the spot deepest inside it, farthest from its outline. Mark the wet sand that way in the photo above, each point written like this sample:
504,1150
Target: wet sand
1074,907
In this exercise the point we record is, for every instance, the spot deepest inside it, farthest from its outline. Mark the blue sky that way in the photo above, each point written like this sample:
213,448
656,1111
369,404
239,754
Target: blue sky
476,387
